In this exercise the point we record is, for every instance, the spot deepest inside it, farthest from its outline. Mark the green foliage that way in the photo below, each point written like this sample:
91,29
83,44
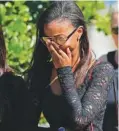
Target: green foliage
19,34
91,13
103,23
19,31
42,119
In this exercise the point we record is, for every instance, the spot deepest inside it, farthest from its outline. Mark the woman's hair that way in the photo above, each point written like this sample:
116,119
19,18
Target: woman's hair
2,50
59,10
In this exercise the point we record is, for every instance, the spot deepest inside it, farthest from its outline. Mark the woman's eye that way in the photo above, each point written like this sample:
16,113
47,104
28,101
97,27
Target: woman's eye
50,38
61,39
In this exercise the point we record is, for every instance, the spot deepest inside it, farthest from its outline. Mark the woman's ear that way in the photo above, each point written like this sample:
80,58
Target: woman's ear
79,32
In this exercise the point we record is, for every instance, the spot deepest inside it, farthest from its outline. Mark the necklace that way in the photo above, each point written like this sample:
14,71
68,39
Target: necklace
1,71
92,62
53,81
57,76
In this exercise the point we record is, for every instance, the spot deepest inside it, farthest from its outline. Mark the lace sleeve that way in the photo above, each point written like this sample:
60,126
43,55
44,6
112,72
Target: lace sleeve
95,96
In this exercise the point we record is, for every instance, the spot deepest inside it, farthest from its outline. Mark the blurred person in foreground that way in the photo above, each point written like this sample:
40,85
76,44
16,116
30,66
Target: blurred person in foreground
12,94
111,116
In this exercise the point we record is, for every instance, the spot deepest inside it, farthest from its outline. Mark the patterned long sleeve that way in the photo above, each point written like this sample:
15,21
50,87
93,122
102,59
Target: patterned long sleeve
85,108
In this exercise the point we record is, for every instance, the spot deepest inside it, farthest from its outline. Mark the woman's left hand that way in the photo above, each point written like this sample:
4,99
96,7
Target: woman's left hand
60,58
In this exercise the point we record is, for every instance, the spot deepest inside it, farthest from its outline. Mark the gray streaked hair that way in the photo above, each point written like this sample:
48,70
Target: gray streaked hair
113,9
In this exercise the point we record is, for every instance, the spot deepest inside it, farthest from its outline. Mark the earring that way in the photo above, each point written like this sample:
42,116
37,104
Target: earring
77,39
82,50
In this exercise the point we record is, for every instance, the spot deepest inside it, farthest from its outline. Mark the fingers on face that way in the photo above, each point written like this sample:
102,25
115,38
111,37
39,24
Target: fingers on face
69,53
59,50
56,46
53,47
53,51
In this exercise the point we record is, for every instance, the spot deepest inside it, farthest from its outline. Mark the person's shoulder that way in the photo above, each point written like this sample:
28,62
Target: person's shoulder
102,67
101,72
10,76
103,58
11,80
109,54
110,57
113,58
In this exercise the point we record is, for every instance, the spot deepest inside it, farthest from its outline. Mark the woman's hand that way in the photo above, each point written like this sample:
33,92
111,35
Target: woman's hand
60,58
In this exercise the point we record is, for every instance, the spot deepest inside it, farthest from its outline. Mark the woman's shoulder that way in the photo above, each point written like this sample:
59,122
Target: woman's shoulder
99,64
9,76
100,69
101,74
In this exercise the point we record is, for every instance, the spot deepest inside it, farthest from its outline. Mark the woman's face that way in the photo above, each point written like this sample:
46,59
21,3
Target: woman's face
60,30
115,27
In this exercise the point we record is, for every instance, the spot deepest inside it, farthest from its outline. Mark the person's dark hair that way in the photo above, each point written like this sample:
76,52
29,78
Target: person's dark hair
2,50
58,10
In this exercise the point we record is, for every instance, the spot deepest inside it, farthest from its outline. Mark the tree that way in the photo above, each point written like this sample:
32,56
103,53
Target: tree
91,10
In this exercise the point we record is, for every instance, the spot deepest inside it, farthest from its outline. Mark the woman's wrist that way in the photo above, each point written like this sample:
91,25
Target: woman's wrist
64,70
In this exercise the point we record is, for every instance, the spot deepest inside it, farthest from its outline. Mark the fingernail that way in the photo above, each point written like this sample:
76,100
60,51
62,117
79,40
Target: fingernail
48,41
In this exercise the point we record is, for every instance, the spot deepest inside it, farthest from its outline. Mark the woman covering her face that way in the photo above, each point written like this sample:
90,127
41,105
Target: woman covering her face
12,94
66,83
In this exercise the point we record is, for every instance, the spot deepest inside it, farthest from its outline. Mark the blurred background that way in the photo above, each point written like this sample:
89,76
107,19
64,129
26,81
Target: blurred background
18,19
